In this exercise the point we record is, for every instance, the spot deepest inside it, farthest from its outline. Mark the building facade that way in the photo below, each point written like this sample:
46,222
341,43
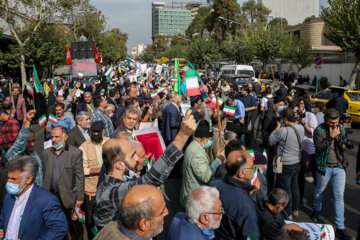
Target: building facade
138,50
169,20
294,11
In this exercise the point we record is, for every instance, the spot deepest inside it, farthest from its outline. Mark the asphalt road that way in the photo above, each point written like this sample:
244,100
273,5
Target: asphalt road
352,191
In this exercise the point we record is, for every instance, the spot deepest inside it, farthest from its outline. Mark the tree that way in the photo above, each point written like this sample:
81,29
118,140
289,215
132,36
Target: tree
343,19
297,51
176,51
256,12
111,48
203,50
280,22
200,23
238,49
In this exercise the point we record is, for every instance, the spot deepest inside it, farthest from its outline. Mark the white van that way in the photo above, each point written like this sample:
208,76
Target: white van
238,69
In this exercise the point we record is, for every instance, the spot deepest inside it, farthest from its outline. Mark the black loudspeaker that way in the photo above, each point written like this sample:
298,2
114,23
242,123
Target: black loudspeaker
90,54
75,55
74,47
90,46
83,55
82,46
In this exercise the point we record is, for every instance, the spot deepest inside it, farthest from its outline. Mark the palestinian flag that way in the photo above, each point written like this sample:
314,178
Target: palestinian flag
29,88
322,232
229,110
220,100
80,74
255,178
52,118
35,79
251,152
192,83
42,120
154,94
160,90
81,214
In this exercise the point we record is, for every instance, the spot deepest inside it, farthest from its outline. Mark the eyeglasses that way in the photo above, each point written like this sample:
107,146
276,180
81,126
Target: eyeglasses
222,211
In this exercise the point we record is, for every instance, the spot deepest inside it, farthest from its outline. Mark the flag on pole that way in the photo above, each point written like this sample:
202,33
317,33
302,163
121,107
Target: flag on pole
81,214
35,79
220,100
68,55
97,55
176,77
188,67
192,83
255,178
29,88
251,152
264,153
42,120
229,110
52,118
80,74
154,94
53,84
206,99
323,231
160,90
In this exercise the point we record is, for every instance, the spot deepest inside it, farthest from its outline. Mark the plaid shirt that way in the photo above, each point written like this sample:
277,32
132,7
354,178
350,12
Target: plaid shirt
112,190
9,133
99,115
18,149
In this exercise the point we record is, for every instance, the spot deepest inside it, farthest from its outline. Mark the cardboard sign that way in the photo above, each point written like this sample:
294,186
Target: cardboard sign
314,230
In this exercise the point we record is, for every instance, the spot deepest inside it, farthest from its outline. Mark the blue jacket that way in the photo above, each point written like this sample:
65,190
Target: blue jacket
171,121
240,216
182,229
43,218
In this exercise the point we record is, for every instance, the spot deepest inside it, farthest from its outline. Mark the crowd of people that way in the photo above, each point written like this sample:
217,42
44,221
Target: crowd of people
96,173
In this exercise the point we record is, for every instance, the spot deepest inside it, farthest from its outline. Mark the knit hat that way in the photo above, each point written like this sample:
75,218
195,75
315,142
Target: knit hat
260,159
97,126
203,130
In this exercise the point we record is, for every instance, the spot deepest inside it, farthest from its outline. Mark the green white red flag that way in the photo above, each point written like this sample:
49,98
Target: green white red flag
229,110
206,99
80,74
81,214
42,120
36,82
252,154
220,100
192,83
29,88
255,178
322,232
154,94
53,84
160,90
52,118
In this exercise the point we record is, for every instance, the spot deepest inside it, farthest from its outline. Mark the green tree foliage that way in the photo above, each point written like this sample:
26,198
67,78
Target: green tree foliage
203,50
177,51
280,22
256,12
201,23
112,49
238,48
343,19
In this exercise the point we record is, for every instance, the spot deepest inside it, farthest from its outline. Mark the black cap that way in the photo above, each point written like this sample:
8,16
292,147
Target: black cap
97,126
260,158
203,130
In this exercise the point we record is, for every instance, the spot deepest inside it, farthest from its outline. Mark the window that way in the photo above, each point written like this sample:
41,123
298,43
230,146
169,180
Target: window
354,96
326,94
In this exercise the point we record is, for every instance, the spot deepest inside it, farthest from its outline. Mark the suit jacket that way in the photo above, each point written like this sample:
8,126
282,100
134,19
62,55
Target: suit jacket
76,138
43,217
71,179
171,121
19,109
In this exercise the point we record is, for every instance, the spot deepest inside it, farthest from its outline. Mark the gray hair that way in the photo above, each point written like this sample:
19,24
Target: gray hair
200,200
229,135
80,115
122,133
131,215
28,166
133,110
86,93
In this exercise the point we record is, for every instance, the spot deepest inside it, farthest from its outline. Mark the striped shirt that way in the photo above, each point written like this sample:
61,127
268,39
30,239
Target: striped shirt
112,190
99,115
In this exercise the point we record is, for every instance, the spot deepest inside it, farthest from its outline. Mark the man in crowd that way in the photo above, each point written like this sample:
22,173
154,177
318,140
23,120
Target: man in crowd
100,104
130,119
86,105
236,185
8,107
64,176
330,144
197,170
80,133
25,144
61,120
92,162
9,130
19,105
171,120
120,162
142,214
203,215
29,211
282,91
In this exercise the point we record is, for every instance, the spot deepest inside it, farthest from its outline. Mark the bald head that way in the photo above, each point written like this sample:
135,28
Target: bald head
240,165
177,99
139,194
140,152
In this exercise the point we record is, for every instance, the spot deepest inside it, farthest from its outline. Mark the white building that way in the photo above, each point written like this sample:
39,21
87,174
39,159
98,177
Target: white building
138,50
294,11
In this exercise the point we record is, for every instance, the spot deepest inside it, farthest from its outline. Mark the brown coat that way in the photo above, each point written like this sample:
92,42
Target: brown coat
111,231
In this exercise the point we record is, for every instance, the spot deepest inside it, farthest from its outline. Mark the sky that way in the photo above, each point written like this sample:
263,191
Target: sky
134,17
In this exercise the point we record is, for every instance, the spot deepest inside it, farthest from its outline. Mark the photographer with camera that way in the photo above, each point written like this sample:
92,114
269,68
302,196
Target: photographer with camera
330,160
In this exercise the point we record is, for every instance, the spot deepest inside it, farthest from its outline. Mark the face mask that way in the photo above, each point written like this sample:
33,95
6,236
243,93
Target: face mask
58,147
312,110
96,138
208,144
130,176
265,171
280,108
13,188
207,232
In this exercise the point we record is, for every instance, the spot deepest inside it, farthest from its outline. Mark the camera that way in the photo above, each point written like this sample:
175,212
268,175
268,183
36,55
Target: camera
300,114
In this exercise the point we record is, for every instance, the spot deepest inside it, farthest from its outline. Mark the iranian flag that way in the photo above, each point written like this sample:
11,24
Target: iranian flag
264,153
160,90
52,118
255,178
81,91
42,120
322,232
229,110
206,99
251,152
220,100
131,60
29,88
35,79
192,83
53,84
80,74
154,94
81,214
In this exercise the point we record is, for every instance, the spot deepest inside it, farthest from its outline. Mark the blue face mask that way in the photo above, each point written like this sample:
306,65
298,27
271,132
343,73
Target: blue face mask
208,144
207,232
312,110
58,147
280,108
130,176
13,188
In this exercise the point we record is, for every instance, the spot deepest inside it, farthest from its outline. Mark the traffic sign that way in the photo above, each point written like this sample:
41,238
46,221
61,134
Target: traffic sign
318,61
